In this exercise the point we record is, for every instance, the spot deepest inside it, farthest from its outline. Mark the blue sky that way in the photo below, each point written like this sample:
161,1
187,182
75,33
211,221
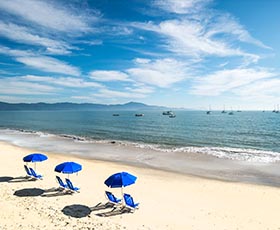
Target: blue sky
179,53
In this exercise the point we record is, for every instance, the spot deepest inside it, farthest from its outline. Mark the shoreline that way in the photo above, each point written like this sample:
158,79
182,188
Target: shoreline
167,200
200,165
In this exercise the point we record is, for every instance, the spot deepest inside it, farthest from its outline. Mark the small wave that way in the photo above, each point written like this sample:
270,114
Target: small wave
239,154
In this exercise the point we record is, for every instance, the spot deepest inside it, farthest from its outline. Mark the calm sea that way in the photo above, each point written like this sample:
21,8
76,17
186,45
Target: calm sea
241,147
250,136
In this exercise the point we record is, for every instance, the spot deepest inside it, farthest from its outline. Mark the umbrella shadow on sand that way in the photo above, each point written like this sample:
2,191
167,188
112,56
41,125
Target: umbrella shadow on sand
5,179
29,192
76,211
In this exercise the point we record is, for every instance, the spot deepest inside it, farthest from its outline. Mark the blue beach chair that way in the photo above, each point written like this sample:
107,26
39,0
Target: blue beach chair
71,186
129,203
111,198
29,174
35,175
60,182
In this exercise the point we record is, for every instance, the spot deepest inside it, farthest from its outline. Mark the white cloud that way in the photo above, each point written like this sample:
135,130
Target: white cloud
108,75
228,80
24,35
14,52
260,89
141,89
15,86
161,72
142,60
181,6
48,14
107,93
42,63
49,64
63,81
189,37
226,24
195,30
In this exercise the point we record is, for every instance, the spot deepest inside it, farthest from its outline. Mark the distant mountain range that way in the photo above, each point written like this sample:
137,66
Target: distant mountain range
75,106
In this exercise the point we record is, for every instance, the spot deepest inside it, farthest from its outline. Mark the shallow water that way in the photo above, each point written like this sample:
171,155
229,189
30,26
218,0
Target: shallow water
245,136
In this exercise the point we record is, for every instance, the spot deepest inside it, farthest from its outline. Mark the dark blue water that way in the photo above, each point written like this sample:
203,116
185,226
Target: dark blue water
190,129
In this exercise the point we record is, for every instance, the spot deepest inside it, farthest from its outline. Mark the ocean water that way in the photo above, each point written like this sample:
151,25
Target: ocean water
229,143
244,135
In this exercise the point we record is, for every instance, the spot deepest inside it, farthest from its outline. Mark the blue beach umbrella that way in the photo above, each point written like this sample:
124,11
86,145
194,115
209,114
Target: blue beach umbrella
120,180
68,168
35,157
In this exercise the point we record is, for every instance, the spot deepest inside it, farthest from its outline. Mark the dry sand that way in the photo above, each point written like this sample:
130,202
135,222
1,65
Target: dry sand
167,200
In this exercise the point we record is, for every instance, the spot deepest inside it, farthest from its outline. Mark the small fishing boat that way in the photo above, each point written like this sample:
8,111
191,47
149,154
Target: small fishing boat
139,114
167,113
116,114
172,116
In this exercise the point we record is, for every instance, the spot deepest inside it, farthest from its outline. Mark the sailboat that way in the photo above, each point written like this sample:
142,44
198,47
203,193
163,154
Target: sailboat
224,110
274,110
209,111
231,112
277,111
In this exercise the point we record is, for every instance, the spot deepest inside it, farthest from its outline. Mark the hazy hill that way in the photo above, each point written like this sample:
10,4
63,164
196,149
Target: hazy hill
75,106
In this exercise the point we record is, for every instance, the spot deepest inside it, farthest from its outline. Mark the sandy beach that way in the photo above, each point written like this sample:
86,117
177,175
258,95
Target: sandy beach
167,200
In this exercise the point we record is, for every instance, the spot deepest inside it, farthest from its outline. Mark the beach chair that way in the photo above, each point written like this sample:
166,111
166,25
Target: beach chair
129,203
35,175
112,199
29,174
71,186
60,182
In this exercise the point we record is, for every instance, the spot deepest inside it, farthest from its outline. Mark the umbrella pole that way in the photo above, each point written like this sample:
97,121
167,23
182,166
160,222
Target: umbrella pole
122,196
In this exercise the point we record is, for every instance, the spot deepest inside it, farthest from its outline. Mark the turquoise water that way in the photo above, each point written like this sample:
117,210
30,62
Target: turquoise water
252,136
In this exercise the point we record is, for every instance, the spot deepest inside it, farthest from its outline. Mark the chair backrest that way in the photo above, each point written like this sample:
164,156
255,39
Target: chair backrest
33,172
60,181
128,200
27,170
111,197
69,183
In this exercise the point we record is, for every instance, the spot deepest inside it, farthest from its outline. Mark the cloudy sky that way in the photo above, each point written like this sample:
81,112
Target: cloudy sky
179,53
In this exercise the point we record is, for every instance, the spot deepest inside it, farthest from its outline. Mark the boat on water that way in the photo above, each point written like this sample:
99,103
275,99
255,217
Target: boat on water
230,113
167,113
209,111
116,114
172,116
139,114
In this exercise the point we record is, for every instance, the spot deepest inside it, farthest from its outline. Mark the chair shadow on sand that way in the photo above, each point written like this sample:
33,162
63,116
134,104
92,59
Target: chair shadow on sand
114,212
18,179
53,192
76,211
114,209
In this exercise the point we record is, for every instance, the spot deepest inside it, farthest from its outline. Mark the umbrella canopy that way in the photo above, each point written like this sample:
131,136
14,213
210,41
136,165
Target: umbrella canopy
35,157
121,179
68,167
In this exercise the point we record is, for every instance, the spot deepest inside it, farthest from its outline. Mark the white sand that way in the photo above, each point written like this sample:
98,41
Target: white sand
167,200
